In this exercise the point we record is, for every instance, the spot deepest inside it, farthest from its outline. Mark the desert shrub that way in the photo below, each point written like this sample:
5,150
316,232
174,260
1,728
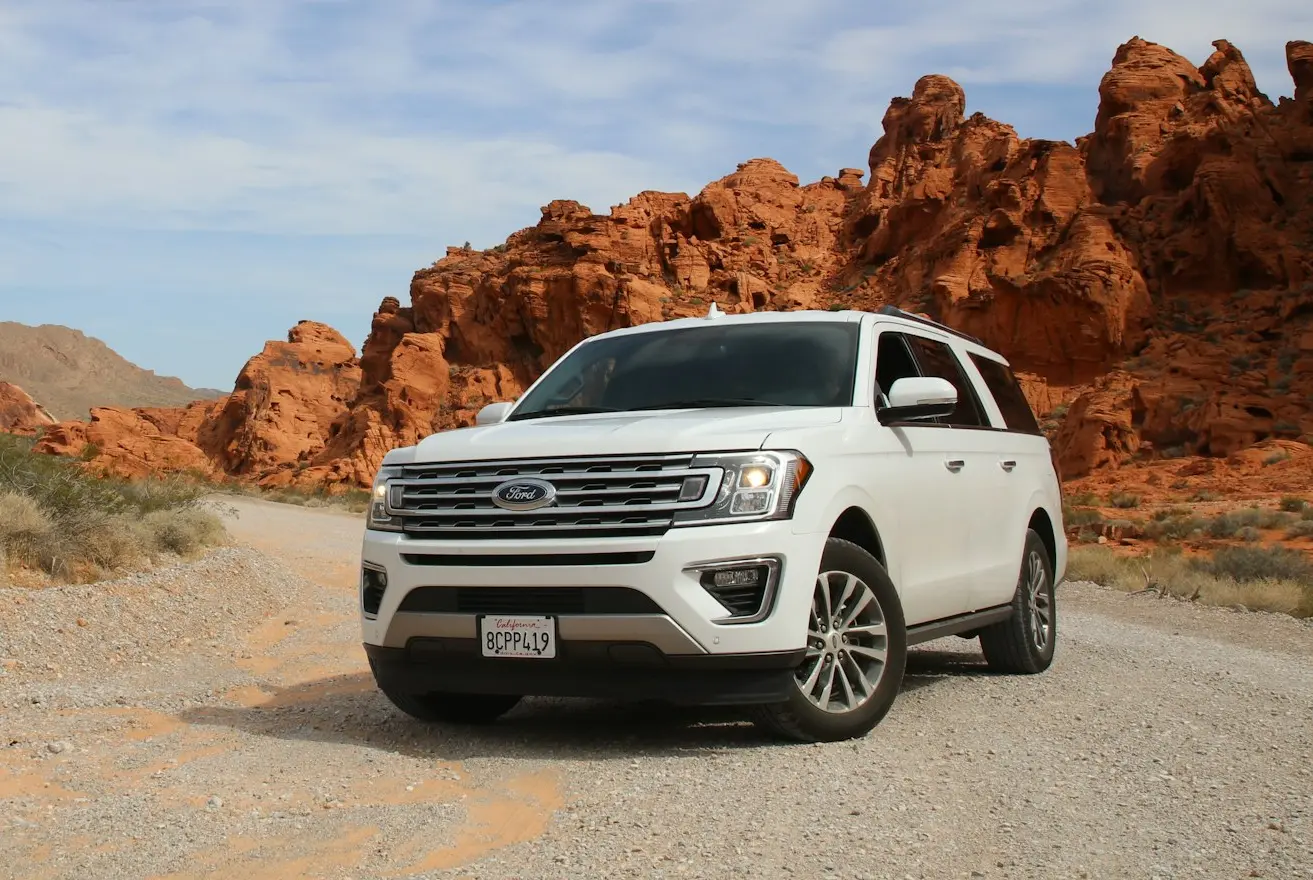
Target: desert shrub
1174,528
1231,523
182,532
1293,503
1124,500
1205,495
1301,529
1259,563
1080,516
61,519
26,531
1259,578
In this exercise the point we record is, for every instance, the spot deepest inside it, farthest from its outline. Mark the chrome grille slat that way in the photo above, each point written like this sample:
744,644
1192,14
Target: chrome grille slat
632,495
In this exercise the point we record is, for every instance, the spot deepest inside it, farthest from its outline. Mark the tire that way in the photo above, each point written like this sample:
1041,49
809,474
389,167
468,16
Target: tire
1014,645
801,718
451,708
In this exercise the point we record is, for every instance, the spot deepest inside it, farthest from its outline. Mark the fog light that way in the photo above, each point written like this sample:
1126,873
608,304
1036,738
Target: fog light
737,577
373,584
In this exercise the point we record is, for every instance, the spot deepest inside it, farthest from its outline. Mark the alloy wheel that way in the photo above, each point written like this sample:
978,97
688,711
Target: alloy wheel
847,644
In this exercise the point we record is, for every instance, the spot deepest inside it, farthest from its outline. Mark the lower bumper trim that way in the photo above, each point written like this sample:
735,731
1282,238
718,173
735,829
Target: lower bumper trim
605,670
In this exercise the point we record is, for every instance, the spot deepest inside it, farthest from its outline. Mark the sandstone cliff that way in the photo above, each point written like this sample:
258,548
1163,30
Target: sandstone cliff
1152,283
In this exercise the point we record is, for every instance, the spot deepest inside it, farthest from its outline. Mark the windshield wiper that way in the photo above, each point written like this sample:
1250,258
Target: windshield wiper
706,402
562,411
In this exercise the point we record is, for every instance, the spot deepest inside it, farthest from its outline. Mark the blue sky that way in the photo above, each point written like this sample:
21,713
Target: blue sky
187,179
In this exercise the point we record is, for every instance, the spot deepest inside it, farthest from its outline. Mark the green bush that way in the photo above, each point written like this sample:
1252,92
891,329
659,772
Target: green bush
57,517
1293,503
1124,500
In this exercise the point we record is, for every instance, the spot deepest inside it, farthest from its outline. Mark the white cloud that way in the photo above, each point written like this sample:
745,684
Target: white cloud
350,117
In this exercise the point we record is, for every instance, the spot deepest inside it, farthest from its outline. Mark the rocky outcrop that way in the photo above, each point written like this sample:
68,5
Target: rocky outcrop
137,442
277,418
1150,283
19,413
284,402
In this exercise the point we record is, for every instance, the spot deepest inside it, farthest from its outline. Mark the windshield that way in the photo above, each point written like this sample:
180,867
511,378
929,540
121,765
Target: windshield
794,363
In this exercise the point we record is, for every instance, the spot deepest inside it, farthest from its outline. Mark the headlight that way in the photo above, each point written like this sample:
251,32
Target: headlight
755,486
378,513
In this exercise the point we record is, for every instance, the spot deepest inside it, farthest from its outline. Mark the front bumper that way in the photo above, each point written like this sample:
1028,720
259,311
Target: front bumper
661,605
597,669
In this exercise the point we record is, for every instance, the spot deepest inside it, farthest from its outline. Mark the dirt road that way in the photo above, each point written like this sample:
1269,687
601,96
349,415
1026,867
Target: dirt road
218,720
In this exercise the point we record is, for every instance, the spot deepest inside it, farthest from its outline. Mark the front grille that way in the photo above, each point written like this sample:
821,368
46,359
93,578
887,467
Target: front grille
529,600
596,497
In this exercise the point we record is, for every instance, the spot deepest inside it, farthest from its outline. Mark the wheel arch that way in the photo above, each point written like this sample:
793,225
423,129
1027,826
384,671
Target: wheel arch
1043,526
854,524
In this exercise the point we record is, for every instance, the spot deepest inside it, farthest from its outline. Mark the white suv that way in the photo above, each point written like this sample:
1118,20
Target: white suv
761,509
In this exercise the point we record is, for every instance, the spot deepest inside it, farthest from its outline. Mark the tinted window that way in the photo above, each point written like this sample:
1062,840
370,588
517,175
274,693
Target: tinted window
790,364
937,359
1001,382
893,361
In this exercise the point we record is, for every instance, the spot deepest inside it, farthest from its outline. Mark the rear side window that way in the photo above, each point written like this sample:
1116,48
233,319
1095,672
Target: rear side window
938,360
1000,381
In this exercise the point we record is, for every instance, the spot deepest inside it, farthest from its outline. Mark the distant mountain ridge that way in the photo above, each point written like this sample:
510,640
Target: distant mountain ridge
69,372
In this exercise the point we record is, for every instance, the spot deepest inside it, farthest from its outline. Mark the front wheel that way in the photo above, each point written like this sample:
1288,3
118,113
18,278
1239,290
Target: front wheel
1023,644
856,652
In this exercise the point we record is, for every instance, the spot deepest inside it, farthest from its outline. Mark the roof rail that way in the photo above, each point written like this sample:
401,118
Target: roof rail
896,312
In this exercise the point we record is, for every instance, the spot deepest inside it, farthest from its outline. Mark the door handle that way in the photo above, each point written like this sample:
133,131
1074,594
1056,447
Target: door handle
954,464
1007,464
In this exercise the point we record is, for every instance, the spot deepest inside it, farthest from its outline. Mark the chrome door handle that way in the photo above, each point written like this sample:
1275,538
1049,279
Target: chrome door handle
955,464
1007,464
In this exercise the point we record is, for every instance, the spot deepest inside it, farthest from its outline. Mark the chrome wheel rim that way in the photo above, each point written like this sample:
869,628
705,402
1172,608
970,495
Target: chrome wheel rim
1039,601
847,644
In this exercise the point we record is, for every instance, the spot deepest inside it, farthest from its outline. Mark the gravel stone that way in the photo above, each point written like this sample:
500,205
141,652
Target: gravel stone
218,719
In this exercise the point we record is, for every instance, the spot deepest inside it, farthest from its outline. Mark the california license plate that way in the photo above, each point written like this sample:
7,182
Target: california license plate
517,636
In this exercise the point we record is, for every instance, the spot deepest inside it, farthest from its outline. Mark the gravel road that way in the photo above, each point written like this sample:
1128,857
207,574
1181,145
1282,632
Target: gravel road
218,720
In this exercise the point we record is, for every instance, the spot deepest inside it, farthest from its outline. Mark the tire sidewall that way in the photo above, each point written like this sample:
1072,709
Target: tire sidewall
843,556
1045,657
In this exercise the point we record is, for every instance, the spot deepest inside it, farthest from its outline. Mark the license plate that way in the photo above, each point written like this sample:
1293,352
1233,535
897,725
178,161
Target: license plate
518,636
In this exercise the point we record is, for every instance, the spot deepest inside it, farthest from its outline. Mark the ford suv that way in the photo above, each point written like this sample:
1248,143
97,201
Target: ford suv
764,510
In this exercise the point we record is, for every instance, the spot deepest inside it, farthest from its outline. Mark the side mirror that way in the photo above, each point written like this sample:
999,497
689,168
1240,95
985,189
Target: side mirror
493,413
918,397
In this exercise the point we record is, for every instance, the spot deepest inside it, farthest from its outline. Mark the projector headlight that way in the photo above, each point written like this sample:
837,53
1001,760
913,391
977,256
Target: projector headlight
378,517
754,486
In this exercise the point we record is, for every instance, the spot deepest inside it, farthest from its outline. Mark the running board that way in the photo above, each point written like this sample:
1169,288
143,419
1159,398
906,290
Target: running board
951,626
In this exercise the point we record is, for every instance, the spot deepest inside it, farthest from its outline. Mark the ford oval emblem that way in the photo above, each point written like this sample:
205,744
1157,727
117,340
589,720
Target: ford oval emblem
523,494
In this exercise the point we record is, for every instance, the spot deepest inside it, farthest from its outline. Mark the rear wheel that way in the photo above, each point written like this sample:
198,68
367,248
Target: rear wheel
856,652
1023,644
452,708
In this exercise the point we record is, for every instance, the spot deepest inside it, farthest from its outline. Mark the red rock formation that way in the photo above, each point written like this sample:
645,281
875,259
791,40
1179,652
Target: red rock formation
135,442
285,400
19,413
1154,280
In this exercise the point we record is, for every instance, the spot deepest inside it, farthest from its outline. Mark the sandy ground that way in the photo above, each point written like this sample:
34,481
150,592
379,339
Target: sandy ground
218,720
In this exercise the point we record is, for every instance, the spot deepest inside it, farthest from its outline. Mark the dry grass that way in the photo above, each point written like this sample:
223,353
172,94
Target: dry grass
58,519
1259,578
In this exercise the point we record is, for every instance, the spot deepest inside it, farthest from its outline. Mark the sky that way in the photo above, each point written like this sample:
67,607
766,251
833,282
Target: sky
186,179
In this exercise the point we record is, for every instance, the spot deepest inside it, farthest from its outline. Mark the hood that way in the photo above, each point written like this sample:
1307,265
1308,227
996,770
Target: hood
625,433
